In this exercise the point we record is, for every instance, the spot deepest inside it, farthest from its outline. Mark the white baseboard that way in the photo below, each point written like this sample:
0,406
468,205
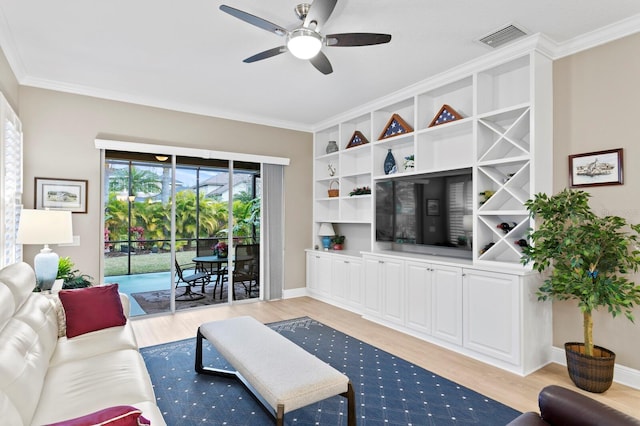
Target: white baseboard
621,374
296,292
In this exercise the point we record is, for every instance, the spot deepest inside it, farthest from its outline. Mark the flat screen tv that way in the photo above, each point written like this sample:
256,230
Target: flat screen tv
428,213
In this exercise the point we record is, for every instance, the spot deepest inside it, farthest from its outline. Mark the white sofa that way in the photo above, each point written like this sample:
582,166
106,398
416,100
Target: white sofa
45,378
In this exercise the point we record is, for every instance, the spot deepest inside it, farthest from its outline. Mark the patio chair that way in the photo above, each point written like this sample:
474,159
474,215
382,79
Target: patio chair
190,280
247,267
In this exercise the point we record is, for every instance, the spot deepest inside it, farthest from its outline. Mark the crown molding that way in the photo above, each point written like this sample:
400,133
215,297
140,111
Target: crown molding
155,102
598,37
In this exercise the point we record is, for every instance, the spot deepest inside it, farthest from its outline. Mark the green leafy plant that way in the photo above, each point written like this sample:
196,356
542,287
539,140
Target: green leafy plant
71,277
338,239
589,257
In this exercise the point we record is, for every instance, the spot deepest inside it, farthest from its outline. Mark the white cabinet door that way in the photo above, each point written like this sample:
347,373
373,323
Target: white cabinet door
371,286
340,279
492,314
323,275
354,277
447,303
393,290
418,284
311,272
319,274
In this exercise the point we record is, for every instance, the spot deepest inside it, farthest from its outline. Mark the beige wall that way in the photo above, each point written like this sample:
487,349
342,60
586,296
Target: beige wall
596,98
59,134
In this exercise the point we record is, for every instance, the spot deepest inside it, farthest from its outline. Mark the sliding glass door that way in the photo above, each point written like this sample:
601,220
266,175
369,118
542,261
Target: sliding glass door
217,203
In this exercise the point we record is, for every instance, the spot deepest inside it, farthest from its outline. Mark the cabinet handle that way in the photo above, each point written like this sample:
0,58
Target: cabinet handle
380,261
317,257
346,261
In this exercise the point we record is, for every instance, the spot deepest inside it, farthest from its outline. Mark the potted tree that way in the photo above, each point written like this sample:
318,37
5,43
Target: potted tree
588,258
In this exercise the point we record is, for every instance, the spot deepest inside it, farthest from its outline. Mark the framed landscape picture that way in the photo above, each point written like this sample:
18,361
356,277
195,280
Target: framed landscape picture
596,168
433,207
61,194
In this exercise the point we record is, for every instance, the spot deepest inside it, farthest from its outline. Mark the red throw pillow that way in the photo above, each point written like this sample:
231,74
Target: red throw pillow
92,308
122,415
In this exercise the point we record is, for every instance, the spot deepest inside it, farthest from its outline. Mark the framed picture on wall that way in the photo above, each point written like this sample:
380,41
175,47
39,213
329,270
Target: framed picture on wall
596,168
433,207
61,194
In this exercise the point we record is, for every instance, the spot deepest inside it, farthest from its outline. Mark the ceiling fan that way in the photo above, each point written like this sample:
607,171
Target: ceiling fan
306,41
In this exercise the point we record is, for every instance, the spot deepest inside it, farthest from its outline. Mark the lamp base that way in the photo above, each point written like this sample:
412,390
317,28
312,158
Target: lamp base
326,242
45,265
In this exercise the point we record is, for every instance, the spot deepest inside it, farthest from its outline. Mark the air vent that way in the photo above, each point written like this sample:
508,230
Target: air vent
502,36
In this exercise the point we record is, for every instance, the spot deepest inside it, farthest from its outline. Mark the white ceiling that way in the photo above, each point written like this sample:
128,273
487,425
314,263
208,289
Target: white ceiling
187,55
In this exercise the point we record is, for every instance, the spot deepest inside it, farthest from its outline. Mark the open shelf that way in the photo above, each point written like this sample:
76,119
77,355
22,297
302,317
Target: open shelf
494,138
458,95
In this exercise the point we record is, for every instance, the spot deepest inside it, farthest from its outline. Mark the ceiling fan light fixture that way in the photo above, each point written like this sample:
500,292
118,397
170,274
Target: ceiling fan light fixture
304,43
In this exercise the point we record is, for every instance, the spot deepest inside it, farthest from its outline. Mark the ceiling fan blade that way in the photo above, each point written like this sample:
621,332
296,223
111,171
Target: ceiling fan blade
322,64
357,39
319,13
254,20
266,54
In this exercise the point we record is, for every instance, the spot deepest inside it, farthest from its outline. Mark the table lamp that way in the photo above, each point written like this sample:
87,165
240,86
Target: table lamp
45,227
326,232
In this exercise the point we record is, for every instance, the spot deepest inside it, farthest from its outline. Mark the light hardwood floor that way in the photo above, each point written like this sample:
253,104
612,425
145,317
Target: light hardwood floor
518,392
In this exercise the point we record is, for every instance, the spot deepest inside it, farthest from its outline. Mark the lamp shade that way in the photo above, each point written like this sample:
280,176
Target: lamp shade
326,230
45,227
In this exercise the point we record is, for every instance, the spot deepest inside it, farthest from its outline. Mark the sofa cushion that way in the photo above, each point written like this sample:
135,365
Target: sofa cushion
91,384
97,342
121,415
92,308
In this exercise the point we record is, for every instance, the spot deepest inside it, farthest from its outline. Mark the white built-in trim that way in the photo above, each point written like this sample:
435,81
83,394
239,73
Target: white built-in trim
295,292
188,152
612,32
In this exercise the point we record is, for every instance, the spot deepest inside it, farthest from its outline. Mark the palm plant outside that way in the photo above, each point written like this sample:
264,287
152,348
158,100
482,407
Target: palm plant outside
151,219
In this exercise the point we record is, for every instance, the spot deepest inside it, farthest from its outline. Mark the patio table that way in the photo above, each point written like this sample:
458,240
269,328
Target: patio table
202,261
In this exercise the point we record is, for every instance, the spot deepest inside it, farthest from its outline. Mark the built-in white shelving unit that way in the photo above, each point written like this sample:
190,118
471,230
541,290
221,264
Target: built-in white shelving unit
503,106
484,307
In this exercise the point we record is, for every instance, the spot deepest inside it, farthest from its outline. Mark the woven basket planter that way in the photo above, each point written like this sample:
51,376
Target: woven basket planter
333,192
591,373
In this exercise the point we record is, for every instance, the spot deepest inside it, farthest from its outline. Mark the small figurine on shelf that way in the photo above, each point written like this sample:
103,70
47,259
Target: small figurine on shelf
486,194
507,226
332,169
365,190
522,243
487,247
409,162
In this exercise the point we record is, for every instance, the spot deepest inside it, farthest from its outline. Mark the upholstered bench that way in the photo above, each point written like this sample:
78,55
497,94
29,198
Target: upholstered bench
279,374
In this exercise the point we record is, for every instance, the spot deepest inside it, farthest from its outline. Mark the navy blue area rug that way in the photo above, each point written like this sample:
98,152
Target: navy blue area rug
389,390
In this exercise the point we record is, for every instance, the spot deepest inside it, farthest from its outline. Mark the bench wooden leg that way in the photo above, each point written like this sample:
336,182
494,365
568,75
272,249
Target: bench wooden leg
201,369
351,404
280,415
